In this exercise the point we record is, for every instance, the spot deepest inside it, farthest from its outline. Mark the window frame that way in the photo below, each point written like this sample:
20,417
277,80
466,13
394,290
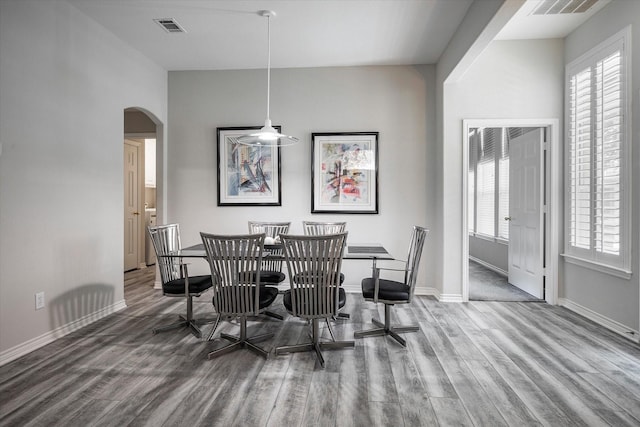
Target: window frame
474,161
617,265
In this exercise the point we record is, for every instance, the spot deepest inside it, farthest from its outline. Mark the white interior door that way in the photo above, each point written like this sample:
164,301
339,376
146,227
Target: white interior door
525,212
131,205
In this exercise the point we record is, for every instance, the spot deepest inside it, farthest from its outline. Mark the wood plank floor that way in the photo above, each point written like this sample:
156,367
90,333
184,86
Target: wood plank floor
475,364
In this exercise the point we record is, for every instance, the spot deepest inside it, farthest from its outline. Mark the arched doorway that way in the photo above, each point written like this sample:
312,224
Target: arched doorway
142,135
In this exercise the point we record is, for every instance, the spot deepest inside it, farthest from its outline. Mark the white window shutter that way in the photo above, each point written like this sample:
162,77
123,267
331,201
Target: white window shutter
485,180
598,164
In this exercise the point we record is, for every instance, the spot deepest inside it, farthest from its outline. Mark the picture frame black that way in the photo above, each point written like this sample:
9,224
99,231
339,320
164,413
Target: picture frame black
247,175
344,172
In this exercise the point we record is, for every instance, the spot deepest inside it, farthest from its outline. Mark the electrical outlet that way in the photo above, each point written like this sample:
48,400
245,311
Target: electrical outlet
39,300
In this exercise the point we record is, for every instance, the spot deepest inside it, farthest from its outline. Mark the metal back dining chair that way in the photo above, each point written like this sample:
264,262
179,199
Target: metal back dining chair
314,264
391,292
271,272
318,228
174,275
237,291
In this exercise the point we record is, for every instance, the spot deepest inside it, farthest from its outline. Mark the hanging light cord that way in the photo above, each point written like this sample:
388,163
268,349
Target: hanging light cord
267,134
268,62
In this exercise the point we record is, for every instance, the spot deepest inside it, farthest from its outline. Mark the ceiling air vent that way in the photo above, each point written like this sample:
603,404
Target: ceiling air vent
170,25
557,7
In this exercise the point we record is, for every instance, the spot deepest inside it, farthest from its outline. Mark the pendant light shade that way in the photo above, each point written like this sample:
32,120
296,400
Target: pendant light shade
267,135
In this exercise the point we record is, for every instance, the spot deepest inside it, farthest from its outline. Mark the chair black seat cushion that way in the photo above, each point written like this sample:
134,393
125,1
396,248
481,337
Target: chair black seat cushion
269,277
197,284
286,299
267,295
389,290
297,276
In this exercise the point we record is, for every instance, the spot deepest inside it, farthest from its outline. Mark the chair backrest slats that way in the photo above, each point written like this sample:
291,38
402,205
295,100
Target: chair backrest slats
314,264
416,245
166,238
235,263
315,228
273,230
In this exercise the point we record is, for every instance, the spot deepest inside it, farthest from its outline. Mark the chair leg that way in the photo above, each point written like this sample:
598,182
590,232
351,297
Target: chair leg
386,328
294,348
409,328
258,350
379,323
215,326
369,333
241,341
186,321
195,329
224,350
315,345
333,337
274,315
194,324
205,320
397,338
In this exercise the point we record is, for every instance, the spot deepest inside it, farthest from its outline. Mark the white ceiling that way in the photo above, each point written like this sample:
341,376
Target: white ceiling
229,34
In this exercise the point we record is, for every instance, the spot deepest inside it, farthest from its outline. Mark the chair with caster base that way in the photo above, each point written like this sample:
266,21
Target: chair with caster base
314,265
175,278
391,292
237,292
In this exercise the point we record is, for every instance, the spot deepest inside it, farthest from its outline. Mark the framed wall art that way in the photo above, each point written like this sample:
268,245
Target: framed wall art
247,175
344,172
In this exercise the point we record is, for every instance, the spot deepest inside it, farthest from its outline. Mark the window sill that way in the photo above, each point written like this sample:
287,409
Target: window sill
602,268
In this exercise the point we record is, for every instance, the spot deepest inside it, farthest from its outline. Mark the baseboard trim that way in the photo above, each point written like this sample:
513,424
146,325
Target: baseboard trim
449,297
598,318
489,266
47,338
426,291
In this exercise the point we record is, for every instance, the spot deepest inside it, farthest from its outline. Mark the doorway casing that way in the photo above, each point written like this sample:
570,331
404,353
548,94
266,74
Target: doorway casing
552,209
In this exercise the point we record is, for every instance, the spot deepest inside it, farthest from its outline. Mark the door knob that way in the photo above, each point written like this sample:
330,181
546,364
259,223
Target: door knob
136,213
507,218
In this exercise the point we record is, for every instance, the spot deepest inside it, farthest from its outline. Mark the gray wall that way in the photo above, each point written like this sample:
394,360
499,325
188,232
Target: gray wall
396,101
65,83
614,298
481,23
509,81
496,254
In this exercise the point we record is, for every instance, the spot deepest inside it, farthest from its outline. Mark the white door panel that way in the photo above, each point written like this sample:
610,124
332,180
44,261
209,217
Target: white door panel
525,212
131,205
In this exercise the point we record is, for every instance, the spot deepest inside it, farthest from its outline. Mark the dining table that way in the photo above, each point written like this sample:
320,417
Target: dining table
356,251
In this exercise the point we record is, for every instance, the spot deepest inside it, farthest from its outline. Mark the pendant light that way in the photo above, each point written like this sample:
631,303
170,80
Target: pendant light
267,135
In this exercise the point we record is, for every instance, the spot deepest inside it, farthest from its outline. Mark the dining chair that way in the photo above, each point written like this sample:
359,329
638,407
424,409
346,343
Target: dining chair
237,291
313,263
391,292
174,275
319,228
271,272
